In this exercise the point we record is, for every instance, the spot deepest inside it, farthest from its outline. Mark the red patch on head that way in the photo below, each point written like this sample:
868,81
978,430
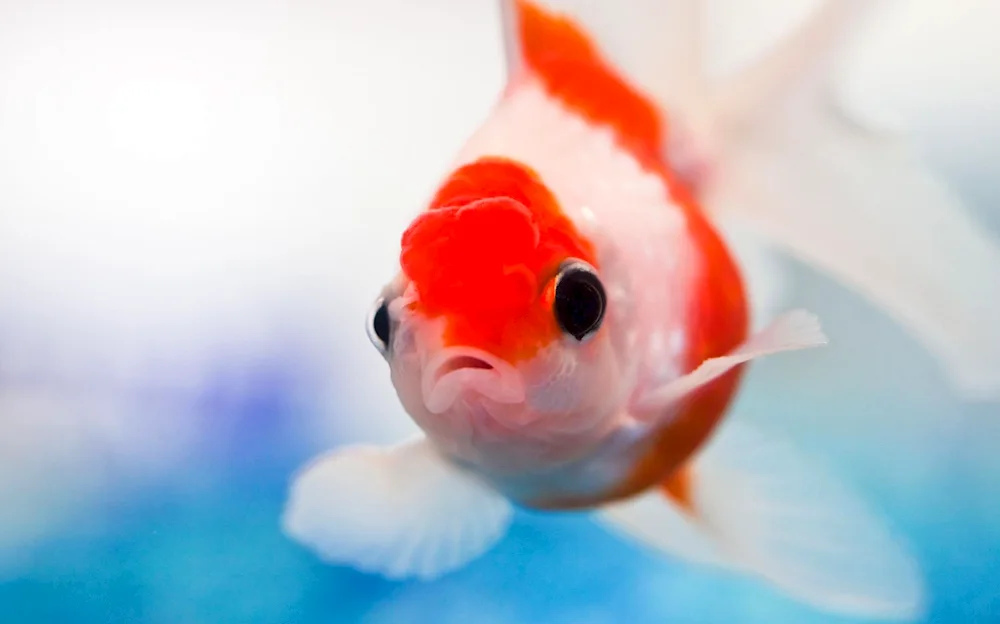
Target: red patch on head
476,256
483,253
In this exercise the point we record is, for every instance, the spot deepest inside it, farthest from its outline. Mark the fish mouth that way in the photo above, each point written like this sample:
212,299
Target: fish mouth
458,370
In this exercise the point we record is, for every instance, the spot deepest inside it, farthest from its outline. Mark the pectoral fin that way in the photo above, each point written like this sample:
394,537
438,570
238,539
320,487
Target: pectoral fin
791,331
404,511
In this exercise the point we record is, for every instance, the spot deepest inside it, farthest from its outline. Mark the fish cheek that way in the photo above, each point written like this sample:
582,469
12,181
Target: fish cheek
558,392
549,380
570,377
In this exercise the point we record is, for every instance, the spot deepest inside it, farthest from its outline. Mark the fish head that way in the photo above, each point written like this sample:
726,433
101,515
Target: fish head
498,328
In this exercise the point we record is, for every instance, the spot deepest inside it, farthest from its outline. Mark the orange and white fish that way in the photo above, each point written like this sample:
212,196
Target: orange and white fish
568,328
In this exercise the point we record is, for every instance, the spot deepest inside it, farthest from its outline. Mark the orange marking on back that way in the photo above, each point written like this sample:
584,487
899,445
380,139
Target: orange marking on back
570,66
573,70
483,254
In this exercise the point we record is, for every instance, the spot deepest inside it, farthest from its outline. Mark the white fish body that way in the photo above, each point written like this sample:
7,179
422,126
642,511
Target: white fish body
622,415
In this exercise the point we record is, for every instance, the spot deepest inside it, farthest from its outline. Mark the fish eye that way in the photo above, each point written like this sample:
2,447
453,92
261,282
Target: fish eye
379,326
580,300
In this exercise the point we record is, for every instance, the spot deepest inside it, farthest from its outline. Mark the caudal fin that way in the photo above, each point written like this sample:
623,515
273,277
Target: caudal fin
753,505
772,148
859,204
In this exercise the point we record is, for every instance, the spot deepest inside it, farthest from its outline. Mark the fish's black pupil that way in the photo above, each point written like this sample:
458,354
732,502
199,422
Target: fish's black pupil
580,301
380,323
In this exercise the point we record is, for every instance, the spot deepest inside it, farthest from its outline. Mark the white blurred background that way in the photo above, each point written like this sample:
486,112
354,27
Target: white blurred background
187,181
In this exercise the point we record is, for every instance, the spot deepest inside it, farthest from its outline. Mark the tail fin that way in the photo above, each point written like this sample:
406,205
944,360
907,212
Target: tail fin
772,148
856,203
752,505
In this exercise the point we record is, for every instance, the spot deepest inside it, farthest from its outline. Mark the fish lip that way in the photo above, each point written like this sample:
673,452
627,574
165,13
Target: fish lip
454,370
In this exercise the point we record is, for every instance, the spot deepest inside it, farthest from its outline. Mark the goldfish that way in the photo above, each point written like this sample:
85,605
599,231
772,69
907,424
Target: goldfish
569,328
